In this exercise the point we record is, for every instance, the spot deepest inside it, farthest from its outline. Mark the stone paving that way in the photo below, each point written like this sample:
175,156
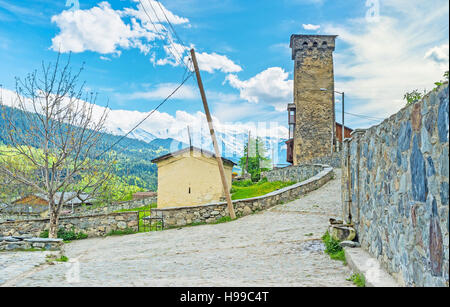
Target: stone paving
278,247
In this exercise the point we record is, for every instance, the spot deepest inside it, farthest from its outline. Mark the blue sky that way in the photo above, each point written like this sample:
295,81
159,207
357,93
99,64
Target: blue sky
243,49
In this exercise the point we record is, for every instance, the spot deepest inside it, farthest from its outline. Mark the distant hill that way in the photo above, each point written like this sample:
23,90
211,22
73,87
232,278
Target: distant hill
134,153
133,156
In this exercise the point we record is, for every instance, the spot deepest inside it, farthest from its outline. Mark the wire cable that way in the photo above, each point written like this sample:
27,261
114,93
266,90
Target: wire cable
159,33
170,24
365,116
145,118
171,42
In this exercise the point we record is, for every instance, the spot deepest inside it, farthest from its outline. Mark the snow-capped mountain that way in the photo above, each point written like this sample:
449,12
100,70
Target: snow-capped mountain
231,142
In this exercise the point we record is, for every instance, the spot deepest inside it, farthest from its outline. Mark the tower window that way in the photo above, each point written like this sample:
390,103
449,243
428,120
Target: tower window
315,44
292,119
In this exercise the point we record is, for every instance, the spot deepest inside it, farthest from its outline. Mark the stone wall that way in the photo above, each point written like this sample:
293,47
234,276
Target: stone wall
133,204
16,217
80,210
27,242
182,216
333,160
92,225
292,173
396,185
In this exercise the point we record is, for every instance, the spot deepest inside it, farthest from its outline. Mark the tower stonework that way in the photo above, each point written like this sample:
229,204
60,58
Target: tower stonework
314,133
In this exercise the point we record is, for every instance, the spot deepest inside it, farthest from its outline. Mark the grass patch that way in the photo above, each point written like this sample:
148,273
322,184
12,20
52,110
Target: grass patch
224,219
248,189
66,235
333,249
62,259
24,250
127,231
51,258
358,279
144,208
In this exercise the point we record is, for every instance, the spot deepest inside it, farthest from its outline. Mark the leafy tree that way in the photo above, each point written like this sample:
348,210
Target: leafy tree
257,160
415,95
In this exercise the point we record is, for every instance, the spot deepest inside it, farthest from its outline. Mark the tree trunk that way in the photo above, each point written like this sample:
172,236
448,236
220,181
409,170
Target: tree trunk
53,229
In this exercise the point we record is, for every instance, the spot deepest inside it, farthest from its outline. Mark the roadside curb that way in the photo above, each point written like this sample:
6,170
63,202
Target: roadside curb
363,263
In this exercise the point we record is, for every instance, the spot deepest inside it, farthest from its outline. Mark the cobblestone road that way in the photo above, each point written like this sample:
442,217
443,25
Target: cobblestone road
278,247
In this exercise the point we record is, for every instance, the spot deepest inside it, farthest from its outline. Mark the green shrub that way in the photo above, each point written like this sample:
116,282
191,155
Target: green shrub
62,259
333,248
66,235
44,234
264,180
358,279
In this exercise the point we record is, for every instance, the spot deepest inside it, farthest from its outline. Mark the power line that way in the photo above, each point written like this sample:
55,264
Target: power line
145,118
365,116
170,24
171,42
177,36
159,33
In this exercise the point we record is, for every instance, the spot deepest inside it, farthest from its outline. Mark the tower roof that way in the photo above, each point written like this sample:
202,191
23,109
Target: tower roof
303,42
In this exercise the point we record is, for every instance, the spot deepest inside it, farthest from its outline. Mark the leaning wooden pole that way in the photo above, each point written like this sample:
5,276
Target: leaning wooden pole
248,149
213,137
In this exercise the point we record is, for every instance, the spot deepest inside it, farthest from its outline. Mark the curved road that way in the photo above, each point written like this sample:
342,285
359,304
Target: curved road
278,247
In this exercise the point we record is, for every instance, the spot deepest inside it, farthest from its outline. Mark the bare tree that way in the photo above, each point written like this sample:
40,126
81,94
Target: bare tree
57,139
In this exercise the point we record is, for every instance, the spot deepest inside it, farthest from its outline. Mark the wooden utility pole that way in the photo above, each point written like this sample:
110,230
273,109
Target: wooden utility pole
213,137
248,149
190,139
273,157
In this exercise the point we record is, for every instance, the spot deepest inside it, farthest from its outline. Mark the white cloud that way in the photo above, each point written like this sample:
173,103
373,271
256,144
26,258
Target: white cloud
102,29
212,61
270,87
99,29
379,62
163,125
439,54
311,27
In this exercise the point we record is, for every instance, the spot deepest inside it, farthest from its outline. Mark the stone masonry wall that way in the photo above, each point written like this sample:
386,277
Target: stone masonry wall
396,176
292,173
83,210
133,204
92,225
177,217
333,160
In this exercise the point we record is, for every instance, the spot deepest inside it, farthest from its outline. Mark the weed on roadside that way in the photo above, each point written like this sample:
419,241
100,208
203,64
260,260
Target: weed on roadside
333,249
358,279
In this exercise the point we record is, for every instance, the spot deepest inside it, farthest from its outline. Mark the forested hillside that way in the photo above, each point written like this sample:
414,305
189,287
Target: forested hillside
133,169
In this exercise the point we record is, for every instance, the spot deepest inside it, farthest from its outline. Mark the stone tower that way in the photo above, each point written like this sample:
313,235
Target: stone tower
314,131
